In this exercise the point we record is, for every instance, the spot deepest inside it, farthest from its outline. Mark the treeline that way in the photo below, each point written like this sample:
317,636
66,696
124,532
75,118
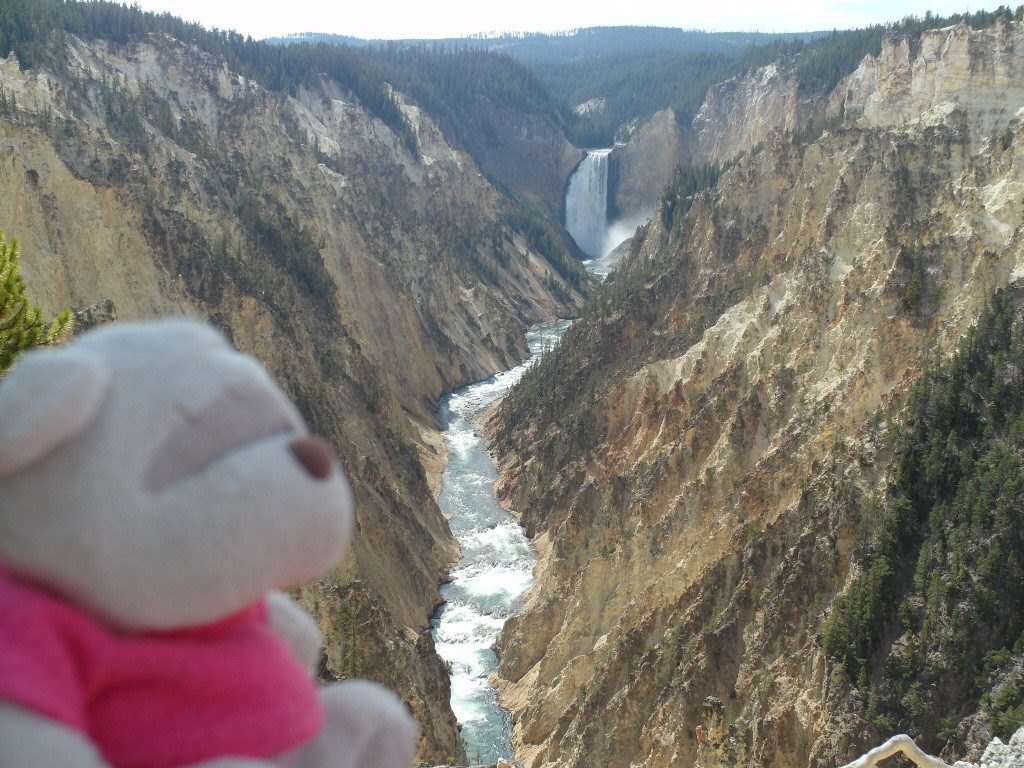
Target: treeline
34,30
635,84
938,608
460,87
453,83
540,47
637,70
591,42
686,182
820,65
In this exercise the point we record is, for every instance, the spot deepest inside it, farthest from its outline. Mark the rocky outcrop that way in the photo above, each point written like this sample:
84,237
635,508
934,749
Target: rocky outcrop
640,167
369,278
528,154
740,113
695,462
736,116
97,313
980,70
1000,755
996,755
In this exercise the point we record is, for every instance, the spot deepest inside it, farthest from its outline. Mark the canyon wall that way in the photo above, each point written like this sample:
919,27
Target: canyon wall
527,154
740,113
981,70
697,461
736,116
368,276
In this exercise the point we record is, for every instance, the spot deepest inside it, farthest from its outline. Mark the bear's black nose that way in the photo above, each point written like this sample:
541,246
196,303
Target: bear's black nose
314,455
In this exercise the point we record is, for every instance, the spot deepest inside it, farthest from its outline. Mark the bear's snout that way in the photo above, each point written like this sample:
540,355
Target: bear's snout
314,456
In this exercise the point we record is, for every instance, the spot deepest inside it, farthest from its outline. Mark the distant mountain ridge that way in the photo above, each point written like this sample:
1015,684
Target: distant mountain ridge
532,47
605,81
632,71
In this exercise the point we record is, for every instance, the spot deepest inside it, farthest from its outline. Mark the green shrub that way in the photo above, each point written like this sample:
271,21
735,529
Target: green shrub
21,320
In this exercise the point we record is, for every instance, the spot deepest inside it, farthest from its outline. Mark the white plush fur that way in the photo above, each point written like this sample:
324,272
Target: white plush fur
366,728
65,394
30,741
146,475
160,512
296,627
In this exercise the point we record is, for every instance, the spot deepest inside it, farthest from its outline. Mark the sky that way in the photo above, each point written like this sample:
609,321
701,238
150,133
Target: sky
457,18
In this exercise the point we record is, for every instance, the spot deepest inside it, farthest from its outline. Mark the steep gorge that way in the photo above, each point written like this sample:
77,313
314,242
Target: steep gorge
697,461
368,276
736,116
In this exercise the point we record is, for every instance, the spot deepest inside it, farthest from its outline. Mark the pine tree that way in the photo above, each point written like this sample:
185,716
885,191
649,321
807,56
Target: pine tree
21,320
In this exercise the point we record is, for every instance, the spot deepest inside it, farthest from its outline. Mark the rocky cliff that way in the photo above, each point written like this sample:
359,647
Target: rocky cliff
736,116
368,275
698,462
527,154
640,167
981,70
740,113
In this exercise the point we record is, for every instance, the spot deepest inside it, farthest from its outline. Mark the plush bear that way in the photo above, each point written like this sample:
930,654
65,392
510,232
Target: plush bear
156,488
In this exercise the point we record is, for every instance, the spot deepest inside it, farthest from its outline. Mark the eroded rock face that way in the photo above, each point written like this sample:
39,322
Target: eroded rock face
980,70
1004,755
743,112
642,166
367,277
736,116
693,475
531,157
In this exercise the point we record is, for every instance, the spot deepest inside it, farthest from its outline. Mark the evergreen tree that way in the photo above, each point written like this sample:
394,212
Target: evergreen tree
21,320
938,605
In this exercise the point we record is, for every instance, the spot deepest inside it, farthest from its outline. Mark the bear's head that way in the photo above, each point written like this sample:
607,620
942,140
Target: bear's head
156,477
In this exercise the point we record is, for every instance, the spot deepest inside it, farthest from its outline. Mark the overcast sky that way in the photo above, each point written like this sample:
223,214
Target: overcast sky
456,18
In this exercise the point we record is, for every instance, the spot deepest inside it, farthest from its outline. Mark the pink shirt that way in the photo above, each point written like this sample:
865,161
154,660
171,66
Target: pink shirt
155,700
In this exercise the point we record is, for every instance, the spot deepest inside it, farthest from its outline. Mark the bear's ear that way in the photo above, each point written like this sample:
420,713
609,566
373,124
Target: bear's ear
47,399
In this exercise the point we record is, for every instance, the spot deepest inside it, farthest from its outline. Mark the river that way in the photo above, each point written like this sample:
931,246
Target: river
496,566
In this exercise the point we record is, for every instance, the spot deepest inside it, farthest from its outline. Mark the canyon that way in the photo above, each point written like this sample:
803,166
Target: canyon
695,464
304,229
615,444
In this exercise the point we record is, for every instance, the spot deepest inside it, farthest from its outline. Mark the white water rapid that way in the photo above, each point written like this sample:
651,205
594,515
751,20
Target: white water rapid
496,567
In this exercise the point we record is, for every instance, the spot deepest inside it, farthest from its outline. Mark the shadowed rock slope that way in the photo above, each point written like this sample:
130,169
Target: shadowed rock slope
702,462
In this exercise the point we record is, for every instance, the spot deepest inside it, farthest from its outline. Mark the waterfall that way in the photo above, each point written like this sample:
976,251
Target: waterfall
586,203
